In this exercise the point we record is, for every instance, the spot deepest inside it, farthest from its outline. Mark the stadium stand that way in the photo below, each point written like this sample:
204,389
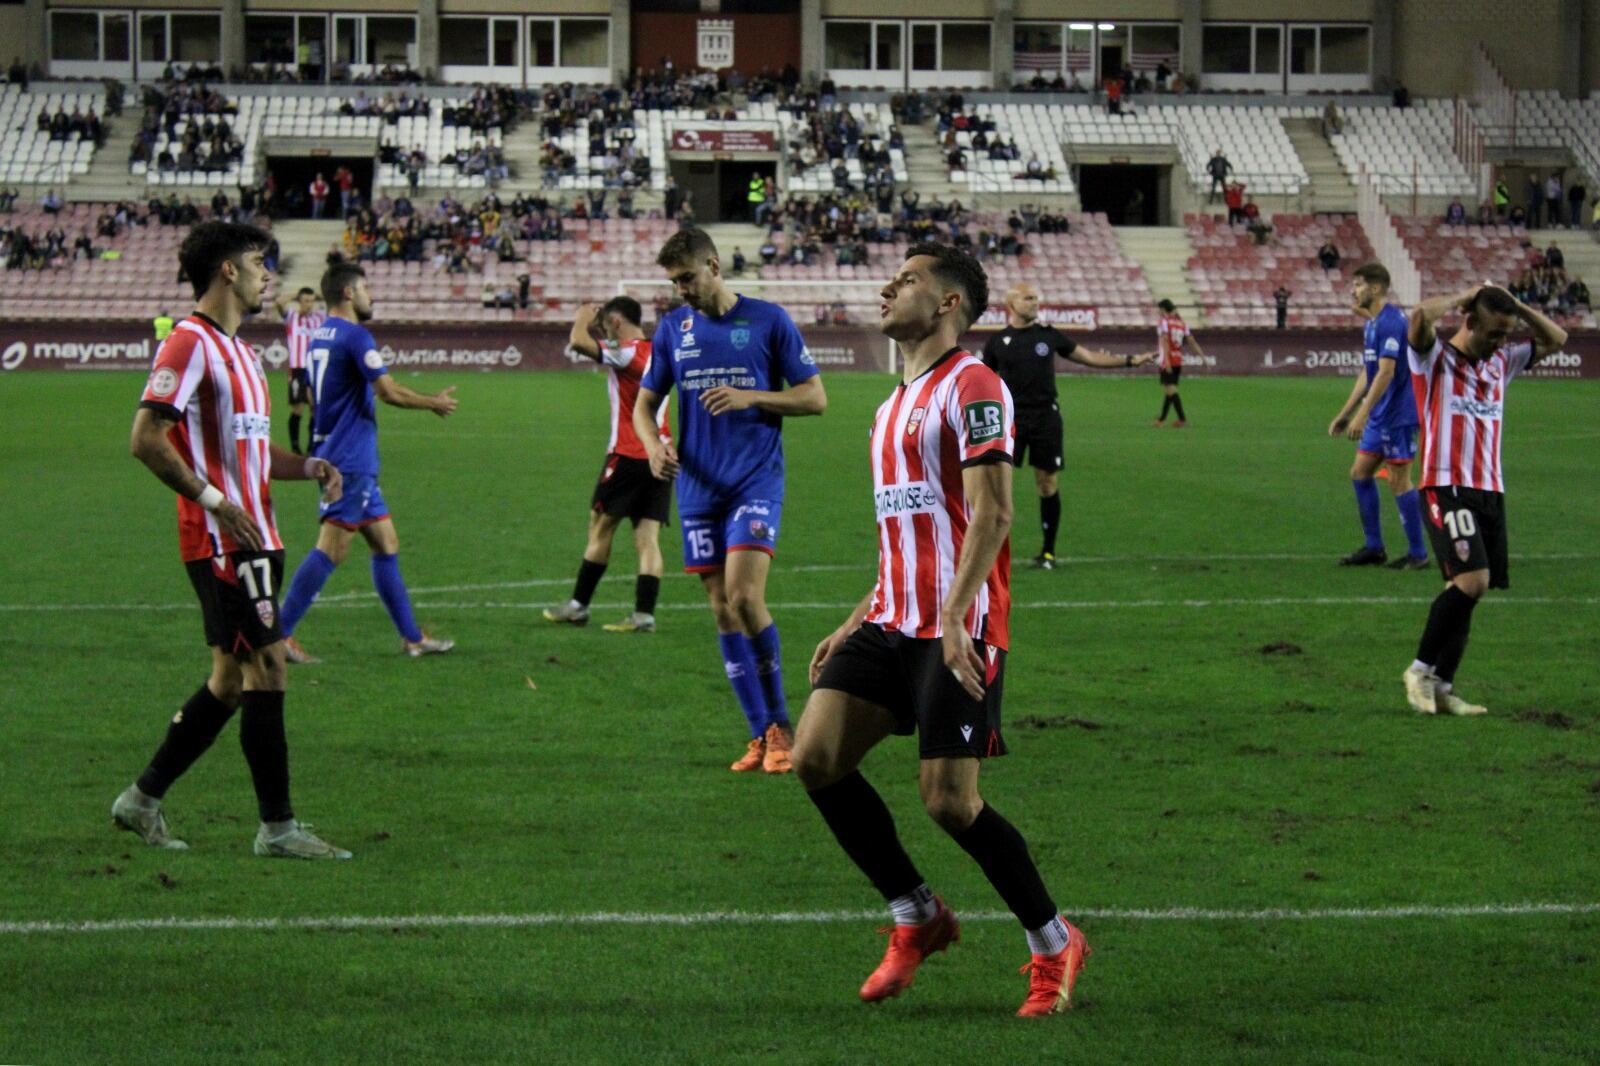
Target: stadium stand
1409,149
27,154
136,284
801,138
1233,279
1452,258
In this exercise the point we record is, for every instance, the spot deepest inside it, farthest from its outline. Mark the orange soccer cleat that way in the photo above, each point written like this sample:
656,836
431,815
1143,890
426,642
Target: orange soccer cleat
780,742
752,758
909,945
1050,977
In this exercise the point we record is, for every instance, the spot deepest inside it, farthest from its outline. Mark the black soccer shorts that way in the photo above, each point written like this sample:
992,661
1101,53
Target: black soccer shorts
1467,528
627,489
1170,377
1039,437
908,678
239,599
299,387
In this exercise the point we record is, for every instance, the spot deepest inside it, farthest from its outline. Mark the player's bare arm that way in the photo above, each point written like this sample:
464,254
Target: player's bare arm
1380,387
806,398
287,466
1427,314
663,456
988,487
1193,345
1108,360
152,447
1341,421
391,392
831,642
1548,338
580,339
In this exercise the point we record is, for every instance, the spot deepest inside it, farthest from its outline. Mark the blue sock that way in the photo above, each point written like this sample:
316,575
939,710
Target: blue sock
1410,505
741,666
1367,503
307,582
392,591
769,666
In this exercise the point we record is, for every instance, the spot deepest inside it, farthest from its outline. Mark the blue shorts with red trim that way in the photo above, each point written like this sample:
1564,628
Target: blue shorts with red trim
751,525
361,505
1396,446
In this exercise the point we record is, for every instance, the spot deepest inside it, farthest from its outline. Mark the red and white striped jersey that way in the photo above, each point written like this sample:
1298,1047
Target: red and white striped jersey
213,384
1171,331
625,363
1461,403
297,330
956,414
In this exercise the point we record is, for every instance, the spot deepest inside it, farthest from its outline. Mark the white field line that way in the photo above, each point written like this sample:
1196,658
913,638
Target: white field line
1058,605
703,918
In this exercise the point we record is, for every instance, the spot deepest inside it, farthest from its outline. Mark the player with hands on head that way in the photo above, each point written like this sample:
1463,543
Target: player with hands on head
1460,385
300,320
204,428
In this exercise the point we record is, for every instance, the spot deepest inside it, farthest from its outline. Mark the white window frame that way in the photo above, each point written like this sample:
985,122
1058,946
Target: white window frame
537,75
98,67
1094,76
1316,80
513,74
904,77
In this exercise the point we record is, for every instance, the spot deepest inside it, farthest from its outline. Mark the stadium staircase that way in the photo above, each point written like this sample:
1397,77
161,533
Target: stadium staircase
1331,190
1164,252
927,169
303,251
1578,247
109,179
745,236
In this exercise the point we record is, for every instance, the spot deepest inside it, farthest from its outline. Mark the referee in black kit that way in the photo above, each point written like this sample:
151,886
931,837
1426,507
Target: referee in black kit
1022,355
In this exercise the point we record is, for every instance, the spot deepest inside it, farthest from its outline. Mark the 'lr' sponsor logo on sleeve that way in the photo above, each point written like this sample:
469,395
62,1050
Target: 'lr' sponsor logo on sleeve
984,421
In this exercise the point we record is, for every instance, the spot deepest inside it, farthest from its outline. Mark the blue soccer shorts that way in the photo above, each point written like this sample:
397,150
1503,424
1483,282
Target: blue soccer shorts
361,505
748,526
1397,446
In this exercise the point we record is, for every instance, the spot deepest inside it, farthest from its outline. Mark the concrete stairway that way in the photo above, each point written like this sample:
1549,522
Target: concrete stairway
745,236
1164,252
1578,248
1331,189
108,179
926,167
303,246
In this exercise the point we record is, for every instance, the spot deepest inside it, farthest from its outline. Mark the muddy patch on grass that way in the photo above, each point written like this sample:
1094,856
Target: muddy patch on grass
1282,647
1034,721
1550,719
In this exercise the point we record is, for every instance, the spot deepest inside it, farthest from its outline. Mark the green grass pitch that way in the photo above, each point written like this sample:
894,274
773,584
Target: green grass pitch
1162,758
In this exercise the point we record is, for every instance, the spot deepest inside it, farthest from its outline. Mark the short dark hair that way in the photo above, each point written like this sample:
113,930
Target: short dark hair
306,290
210,244
956,268
1494,300
336,277
686,246
1375,272
626,306
1168,306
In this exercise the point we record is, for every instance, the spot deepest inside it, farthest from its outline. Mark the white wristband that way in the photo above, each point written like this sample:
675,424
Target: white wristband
210,498
311,467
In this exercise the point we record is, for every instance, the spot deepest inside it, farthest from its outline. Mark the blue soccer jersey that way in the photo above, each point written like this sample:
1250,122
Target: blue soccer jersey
344,362
1385,338
738,456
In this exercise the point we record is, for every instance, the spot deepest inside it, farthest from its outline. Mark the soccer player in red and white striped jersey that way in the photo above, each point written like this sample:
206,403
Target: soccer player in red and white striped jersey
1460,385
925,651
204,428
1172,336
626,489
300,320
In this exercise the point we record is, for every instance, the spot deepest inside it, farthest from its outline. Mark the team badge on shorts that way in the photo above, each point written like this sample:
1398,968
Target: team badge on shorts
1463,550
264,610
760,530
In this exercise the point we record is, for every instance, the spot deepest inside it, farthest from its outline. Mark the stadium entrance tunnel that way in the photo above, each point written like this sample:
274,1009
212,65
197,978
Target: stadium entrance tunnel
295,173
1130,195
721,187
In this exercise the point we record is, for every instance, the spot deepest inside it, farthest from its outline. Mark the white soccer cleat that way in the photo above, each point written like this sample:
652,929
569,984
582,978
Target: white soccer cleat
427,646
148,822
569,613
297,843
1450,703
1419,690
637,622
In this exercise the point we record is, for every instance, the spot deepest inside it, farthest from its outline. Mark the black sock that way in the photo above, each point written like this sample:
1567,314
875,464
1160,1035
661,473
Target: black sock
1050,519
1448,621
192,731
294,433
1166,405
865,829
267,752
589,575
1177,405
645,590
1003,855
1456,645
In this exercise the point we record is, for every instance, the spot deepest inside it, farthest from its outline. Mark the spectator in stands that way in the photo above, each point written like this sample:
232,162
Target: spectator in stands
1533,197
83,247
346,181
1486,216
1554,257
1577,196
319,195
1256,225
1402,96
769,252
738,261
8,199
1219,168
1233,197
1163,75
1575,296
1456,213
1554,194
1328,255
1332,121
1502,197
1517,217
672,197
17,73
51,202
1280,298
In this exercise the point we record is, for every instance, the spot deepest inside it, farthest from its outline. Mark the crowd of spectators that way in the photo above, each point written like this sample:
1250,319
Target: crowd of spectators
602,120
828,136
455,237
1544,283
207,141
77,126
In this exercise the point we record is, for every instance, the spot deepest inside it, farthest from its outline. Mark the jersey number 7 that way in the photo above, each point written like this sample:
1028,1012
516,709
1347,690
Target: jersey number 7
319,367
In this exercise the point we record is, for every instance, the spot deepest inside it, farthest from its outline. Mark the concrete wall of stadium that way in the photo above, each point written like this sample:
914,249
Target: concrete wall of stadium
102,345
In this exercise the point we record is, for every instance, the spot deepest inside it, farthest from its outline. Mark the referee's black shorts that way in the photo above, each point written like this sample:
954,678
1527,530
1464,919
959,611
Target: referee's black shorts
1039,438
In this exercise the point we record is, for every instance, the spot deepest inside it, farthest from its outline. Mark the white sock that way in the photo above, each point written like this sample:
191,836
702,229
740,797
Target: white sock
915,907
1051,940
576,606
1443,687
1421,667
142,800
278,829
